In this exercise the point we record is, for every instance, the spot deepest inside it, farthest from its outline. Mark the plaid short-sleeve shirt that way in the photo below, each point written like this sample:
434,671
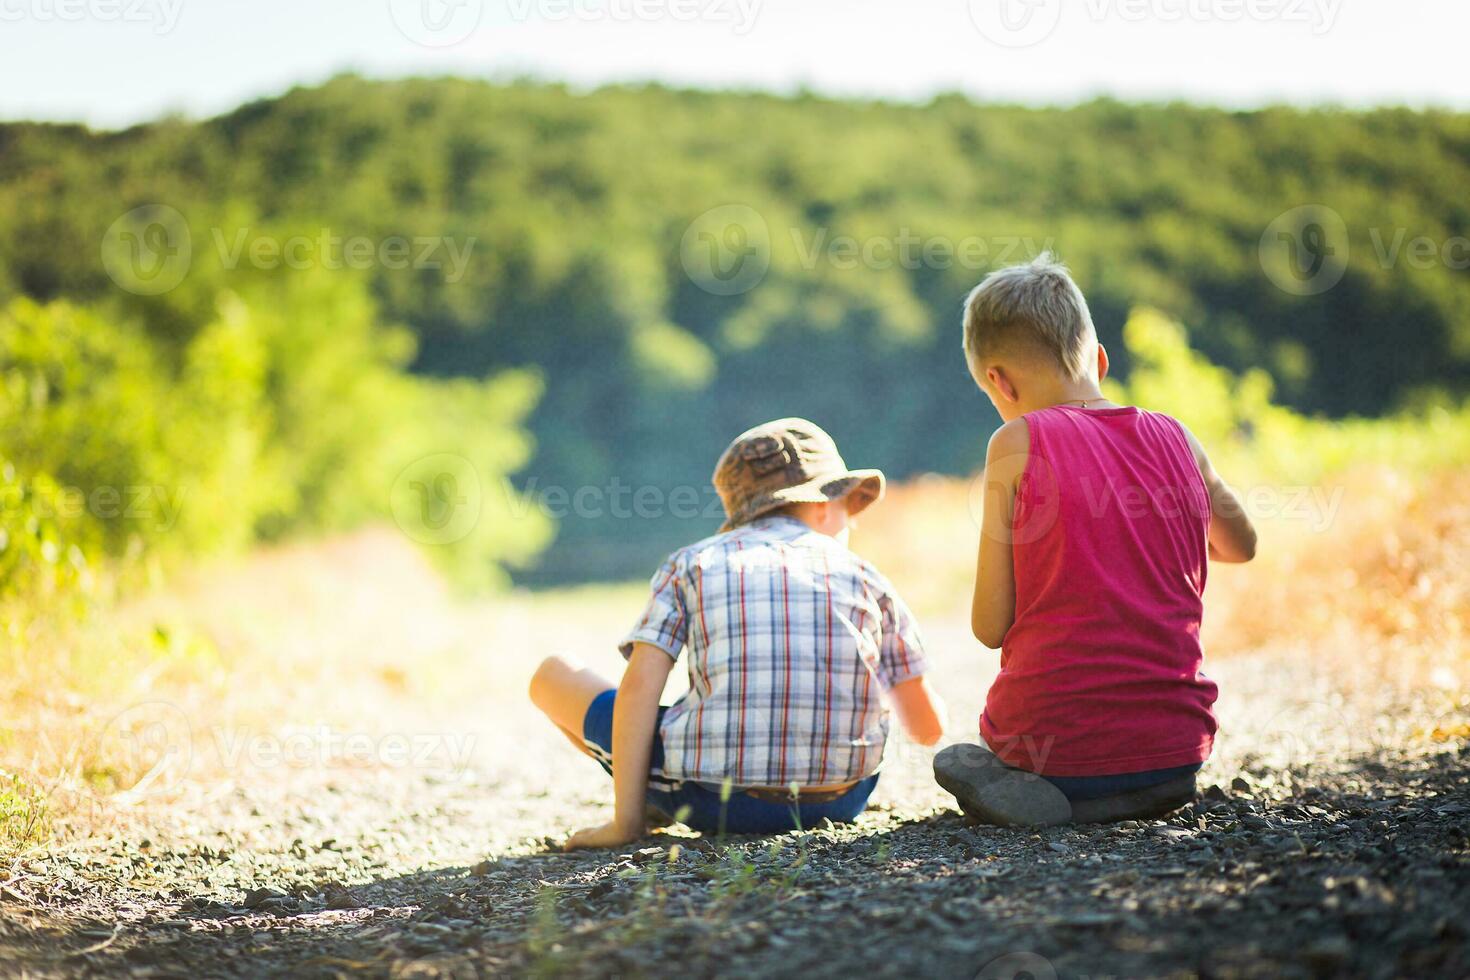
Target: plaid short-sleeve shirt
791,638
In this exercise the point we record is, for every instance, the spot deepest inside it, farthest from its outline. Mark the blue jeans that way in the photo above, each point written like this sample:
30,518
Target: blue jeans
1079,788
698,805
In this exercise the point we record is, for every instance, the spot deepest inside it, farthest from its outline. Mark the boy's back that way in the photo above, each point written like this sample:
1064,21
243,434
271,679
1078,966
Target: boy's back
1097,524
791,638
1100,670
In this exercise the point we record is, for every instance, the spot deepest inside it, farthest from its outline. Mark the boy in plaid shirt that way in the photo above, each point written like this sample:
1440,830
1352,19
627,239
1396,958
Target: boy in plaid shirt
794,643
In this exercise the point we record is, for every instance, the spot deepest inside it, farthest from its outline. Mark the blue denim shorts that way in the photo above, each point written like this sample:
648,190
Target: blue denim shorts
698,805
1079,788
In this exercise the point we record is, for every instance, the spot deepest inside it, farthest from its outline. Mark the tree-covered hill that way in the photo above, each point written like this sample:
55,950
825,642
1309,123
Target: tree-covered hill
598,238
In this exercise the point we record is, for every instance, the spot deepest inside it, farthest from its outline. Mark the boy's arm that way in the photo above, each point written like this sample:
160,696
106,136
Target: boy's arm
903,665
635,718
1232,537
993,607
920,711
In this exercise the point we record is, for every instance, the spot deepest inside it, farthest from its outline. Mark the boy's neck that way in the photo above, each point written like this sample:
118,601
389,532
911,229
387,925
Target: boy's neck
821,518
1084,394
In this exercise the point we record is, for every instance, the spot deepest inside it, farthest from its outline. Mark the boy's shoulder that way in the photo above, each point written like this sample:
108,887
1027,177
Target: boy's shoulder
1011,439
748,536
749,539
720,541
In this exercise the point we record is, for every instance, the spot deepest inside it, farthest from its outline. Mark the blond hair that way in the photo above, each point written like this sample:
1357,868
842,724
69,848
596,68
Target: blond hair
1037,306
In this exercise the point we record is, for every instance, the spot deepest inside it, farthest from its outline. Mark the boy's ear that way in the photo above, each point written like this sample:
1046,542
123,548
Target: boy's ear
1102,362
996,375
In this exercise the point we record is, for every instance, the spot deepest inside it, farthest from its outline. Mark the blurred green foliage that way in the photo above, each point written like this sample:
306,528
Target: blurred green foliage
1253,440
573,207
287,410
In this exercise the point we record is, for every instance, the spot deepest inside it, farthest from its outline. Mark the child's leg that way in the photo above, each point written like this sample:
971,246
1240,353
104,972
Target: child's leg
564,690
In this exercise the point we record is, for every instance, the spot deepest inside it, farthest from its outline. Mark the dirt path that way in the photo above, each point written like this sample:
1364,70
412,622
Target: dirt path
1334,840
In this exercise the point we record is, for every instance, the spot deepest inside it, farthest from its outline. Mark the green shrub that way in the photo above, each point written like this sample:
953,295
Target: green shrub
24,815
290,410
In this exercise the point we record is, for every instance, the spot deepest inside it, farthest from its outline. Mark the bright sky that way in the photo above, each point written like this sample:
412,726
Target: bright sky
115,62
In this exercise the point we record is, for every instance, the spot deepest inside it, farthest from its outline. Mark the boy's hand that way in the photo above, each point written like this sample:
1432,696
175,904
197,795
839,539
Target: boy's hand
609,834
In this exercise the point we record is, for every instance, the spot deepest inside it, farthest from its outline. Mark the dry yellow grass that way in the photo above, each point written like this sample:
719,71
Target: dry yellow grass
137,708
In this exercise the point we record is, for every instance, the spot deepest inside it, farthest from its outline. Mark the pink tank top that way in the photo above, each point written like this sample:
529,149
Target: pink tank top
1100,673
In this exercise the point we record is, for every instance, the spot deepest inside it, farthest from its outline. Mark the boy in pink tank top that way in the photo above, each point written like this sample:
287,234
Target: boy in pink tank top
1099,520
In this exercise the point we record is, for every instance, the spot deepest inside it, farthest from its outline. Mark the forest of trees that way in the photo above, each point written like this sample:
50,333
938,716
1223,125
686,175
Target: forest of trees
562,274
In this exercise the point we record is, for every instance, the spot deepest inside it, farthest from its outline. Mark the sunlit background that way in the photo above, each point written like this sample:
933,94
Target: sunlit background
355,354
